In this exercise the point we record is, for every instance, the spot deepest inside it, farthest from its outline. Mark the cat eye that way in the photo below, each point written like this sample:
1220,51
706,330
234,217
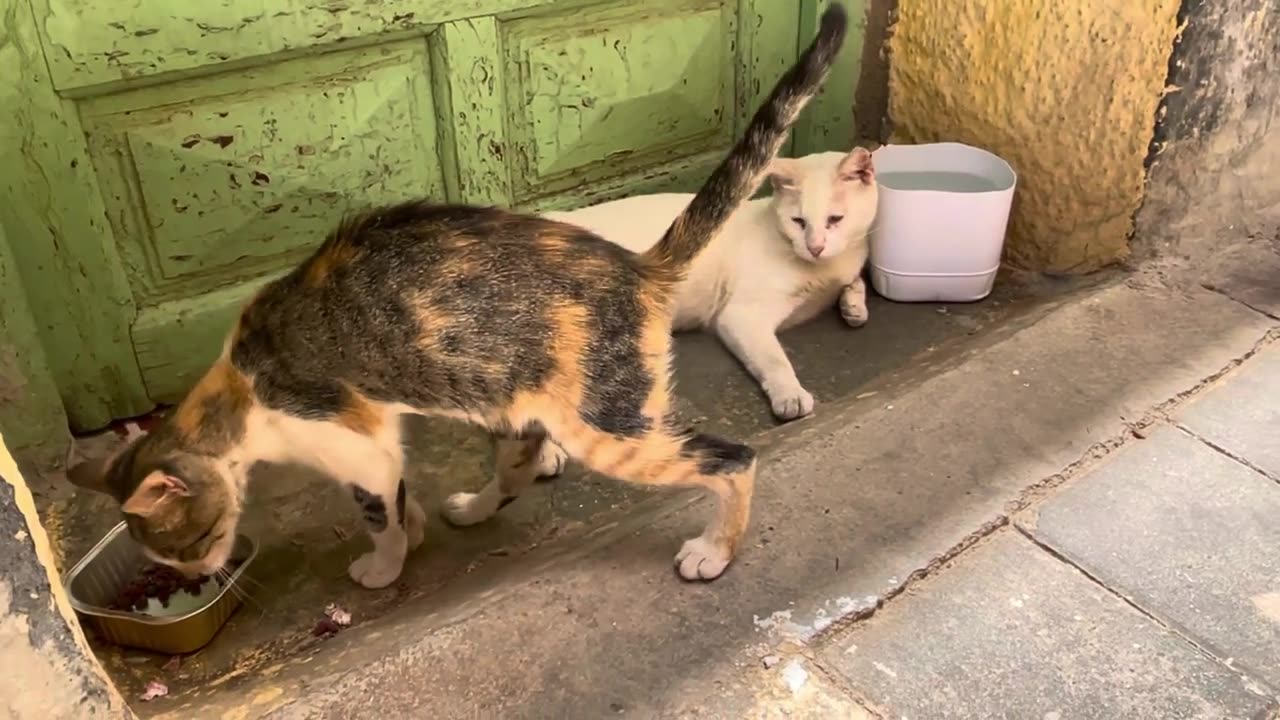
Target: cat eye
834,219
798,221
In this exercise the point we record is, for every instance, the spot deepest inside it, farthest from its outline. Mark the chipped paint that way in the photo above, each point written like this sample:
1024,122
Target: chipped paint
1022,79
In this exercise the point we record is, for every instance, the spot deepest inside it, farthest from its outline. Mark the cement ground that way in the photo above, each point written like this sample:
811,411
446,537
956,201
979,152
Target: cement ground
567,605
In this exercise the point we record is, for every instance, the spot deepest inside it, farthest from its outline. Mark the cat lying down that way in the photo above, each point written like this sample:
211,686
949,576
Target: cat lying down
777,262
531,328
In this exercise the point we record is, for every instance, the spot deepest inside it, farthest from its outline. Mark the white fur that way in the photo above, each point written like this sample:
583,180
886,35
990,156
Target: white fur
760,274
374,464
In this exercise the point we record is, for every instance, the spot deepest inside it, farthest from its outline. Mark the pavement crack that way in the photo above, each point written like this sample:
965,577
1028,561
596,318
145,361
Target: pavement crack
843,622
1257,684
1261,311
1223,451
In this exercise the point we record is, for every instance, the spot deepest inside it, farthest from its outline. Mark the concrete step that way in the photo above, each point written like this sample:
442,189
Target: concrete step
850,507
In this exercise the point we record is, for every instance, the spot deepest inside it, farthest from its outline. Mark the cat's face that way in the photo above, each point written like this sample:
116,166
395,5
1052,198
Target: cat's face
824,202
181,507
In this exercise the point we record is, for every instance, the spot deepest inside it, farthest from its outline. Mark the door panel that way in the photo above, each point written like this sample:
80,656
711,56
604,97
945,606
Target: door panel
239,175
233,178
616,88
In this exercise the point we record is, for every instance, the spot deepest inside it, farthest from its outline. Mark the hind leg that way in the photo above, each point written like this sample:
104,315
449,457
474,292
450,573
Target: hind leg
518,462
664,457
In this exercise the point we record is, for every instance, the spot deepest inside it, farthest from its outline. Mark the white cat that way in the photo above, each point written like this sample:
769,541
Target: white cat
778,262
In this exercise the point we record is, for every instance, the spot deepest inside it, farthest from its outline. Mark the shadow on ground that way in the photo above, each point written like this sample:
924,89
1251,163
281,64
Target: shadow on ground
309,530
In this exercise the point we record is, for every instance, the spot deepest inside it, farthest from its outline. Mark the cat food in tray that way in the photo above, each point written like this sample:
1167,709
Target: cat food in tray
129,601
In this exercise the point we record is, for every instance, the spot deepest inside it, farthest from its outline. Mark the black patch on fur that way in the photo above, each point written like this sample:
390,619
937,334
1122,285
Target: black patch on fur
400,499
375,510
716,455
618,383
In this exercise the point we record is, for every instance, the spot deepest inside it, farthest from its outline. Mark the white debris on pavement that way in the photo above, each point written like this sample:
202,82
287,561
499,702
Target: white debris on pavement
795,676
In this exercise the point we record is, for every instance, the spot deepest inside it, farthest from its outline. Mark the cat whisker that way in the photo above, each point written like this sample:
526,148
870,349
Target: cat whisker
240,591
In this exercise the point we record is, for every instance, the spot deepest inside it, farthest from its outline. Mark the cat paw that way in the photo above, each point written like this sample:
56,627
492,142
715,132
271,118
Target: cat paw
465,509
375,571
415,523
702,559
551,461
854,315
792,405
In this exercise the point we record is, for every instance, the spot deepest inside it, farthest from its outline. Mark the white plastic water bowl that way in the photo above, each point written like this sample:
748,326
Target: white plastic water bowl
940,227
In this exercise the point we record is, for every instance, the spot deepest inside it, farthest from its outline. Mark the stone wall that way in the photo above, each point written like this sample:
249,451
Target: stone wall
1214,184
49,671
1066,92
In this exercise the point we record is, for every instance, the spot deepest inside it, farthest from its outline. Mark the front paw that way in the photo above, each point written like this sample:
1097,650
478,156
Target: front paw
551,460
792,404
375,571
465,509
854,312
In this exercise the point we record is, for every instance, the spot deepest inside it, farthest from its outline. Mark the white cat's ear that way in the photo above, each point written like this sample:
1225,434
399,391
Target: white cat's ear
857,167
153,492
784,173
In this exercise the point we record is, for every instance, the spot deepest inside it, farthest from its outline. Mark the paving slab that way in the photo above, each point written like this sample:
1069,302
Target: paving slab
1242,414
1009,631
1187,534
1244,266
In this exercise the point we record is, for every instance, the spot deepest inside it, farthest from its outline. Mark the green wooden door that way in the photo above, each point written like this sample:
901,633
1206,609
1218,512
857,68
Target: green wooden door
171,156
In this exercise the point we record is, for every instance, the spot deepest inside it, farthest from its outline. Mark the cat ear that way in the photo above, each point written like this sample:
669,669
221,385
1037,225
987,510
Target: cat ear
153,492
857,167
784,173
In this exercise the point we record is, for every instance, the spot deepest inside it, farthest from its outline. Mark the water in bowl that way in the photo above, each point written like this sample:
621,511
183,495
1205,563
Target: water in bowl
957,182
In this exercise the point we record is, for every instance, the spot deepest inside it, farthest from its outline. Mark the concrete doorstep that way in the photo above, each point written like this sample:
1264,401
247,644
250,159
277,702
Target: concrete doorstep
853,507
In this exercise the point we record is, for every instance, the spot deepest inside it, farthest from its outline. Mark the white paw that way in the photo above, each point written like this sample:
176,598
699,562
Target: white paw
463,509
375,571
796,403
552,460
701,559
415,523
854,314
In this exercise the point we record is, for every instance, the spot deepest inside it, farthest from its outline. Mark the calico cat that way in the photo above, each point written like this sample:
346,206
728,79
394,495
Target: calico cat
528,327
777,262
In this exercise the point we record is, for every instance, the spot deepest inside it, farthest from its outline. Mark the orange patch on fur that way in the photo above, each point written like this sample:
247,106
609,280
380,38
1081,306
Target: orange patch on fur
359,414
223,387
331,257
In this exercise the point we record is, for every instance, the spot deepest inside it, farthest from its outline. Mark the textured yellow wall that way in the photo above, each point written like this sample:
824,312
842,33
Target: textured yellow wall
1066,92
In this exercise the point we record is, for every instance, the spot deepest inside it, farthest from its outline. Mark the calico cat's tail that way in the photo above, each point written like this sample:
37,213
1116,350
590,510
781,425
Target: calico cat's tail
740,174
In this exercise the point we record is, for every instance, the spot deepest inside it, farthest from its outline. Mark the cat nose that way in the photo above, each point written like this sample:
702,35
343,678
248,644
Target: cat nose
816,247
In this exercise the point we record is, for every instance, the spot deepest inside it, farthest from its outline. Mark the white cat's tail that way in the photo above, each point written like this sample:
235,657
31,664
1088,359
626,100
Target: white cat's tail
740,174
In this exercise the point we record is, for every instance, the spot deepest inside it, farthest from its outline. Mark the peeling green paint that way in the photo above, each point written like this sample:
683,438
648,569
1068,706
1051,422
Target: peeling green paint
53,215
31,415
